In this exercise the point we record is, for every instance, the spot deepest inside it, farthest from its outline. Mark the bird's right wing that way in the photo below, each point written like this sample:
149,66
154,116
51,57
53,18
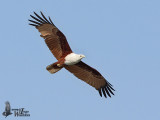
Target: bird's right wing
54,38
92,77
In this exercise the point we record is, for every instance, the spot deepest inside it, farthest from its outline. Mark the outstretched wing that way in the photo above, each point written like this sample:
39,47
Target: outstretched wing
8,107
92,77
54,38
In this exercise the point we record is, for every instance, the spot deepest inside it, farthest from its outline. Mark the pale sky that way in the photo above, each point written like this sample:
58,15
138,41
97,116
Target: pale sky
120,38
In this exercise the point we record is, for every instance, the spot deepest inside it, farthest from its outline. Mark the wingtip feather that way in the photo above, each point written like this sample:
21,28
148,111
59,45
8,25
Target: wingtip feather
100,93
104,93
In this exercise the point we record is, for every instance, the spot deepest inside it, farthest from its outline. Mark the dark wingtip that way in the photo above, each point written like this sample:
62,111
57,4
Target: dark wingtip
104,92
111,87
100,93
109,83
32,24
32,21
39,20
107,90
34,12
45,18
51,21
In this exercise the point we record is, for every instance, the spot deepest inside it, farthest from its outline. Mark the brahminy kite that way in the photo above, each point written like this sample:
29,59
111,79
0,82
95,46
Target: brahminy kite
58,45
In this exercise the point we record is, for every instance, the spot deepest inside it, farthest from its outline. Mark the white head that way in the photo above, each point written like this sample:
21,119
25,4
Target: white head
73,58
81,56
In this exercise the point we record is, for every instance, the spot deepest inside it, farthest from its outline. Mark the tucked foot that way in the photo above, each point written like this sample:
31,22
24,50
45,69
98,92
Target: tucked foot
59,65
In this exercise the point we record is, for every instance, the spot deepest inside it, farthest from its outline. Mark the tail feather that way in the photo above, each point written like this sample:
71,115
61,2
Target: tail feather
53,68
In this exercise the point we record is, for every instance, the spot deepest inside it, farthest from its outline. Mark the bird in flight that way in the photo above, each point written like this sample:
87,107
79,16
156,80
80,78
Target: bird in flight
7,109
66,58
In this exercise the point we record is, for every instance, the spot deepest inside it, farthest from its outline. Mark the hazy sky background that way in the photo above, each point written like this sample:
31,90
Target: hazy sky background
120,38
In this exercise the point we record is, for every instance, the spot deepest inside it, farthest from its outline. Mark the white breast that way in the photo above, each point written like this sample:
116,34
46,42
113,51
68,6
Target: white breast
72,59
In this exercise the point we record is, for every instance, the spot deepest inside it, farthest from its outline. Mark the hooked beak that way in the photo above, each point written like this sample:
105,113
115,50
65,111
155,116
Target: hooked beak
83,56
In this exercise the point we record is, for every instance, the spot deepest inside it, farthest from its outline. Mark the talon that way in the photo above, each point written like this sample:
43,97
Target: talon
59,65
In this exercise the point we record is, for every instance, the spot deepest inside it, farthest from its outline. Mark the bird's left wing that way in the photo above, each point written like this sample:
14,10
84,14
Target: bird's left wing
92,77
54,38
